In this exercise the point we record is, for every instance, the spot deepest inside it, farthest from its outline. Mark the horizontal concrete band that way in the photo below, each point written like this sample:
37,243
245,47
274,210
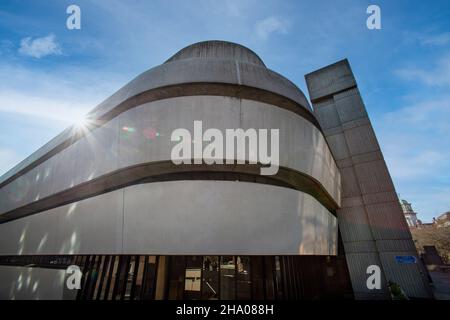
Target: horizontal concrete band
183,78
167,171
183,90
179,217
125,142
22,283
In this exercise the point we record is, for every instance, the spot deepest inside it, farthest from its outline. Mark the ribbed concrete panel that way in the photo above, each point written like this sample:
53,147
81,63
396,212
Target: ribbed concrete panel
127,141
167,115
349,106
330,80
37,234
352,202
354,224
361,140
338,145
350,185
396,245
92,226
19,283
388,196
312,157
327,111
255,76
89,226
406,274
199,217
373,177
179,217
367,157
371,220
344,163
357,266
361,246
384,224
217,50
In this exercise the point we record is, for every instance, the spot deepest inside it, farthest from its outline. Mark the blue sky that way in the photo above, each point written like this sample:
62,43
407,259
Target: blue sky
50,76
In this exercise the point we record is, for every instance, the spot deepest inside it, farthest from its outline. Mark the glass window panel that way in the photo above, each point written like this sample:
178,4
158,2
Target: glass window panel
130,278
243,285
193,277
149,281
177,272
139,278
227,278
210,278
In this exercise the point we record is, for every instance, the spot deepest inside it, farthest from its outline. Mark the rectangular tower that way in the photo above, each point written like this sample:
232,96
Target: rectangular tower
371,221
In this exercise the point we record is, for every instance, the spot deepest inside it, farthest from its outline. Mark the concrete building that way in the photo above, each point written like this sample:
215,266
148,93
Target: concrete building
410,215
107,197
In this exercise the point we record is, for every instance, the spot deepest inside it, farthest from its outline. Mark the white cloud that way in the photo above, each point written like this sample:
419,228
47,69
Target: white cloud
264,28
41,103
39,47
53,99
431,114
412,165
414,144
412,140
438,76
64,112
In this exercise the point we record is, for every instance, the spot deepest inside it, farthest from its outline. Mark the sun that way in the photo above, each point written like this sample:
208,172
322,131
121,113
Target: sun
81,122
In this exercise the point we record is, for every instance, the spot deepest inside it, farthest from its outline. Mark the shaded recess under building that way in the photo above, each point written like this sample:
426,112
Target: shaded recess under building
107,197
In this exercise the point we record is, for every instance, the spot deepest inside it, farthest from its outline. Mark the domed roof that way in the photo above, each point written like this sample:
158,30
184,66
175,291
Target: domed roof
216,49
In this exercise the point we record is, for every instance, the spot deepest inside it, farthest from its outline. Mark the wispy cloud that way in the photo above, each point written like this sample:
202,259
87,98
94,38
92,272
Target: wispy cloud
437,76
436,40
415,165
63,111
39,47
44,102
61,97
432,114
270,25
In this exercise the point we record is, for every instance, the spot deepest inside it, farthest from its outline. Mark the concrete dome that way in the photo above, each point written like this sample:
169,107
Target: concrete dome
216,49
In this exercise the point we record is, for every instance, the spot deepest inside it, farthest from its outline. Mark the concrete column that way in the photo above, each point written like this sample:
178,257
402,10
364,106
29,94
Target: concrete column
372,225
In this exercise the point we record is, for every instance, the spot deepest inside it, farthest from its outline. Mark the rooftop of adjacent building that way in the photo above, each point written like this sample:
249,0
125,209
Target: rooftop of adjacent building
444,216
406,207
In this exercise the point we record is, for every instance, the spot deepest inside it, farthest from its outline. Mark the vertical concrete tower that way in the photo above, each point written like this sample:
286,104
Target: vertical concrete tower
371,221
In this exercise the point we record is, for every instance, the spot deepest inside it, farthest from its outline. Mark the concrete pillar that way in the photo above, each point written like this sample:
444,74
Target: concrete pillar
372,225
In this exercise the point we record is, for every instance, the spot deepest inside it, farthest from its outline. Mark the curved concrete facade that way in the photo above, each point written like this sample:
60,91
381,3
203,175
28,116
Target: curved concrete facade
224,85
170,218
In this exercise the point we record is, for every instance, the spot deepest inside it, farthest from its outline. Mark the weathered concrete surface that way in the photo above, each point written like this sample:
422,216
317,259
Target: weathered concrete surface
22,283
179,217
371,222
110,148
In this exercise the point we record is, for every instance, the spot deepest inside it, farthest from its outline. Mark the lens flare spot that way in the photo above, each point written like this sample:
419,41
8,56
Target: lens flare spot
150,133
128,129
